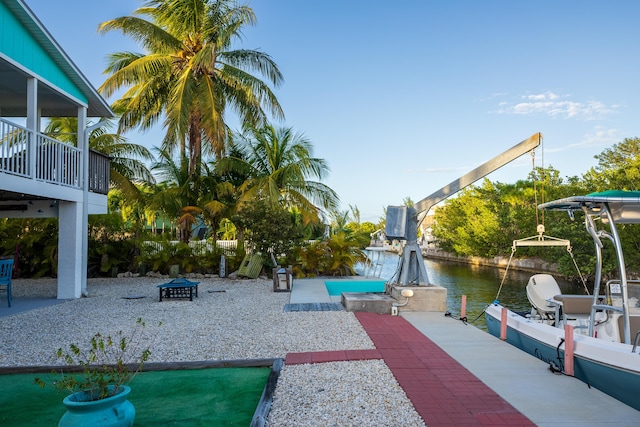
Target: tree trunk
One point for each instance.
(195, 146)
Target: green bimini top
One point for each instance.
(623, 205)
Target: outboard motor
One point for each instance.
(540, 289)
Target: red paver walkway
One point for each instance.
(442, 391)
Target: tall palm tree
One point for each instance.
(127, 158)
(281, 168)
(189, 74)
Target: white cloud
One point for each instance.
(556, 106)
(599, 136)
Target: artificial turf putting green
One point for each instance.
(194, 397)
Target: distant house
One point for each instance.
(40, 176)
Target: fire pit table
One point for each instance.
(178, 288)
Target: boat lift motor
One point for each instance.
(402, 224)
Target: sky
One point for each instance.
(403, 98)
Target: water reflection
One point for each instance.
(479, 283)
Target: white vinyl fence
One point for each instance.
(199, 247)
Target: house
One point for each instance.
(40, 176)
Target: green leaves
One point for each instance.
(335, 256)
(109, 362)
(189, 74)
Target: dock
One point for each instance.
(524, 381)
(483, 367)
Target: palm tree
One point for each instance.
(281, 168)
(189, 75)
(127, 158)
(178, 194)
(339, 220)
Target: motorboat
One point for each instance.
(596, 335)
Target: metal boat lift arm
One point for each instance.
(411, 269)
(481, 171)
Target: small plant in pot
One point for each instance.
(98, 376)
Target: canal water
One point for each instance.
(479, 283)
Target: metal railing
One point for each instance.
(99, 167)
(57, 162)
(49, 160)
(14, 149)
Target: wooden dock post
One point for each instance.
(568, 349)
(503, 324)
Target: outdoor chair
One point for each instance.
(6, 271)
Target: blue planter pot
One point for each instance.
(114, 411)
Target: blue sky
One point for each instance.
(403, 98)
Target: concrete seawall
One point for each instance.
(529, 264)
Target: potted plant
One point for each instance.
(99, 377)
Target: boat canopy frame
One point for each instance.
(611, 207)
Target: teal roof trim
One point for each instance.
(57, 68)
(20, 45)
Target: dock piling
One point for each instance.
(503, 324)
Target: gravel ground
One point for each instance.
(231, 319)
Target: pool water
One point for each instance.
(337, 287)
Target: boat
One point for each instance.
(603, 328)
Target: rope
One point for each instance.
(584, 282)
(504, 276)
(463, 319)
(543, 172)
(481, 313)
(535, 190)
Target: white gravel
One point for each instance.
(363, 393)
(231, 319)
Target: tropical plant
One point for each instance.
(161, 254)
(178, 194)
(339, 220)
(105, 366)
(270, 230)
(227, 230)
(280, 168)
(190, 74)
(344, 252)
(110, 245)
(221, 199)
(33, 242)
(335, 256)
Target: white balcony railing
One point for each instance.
(14, 149)
(57, 162)
(53, 161)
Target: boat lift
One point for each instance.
(403, 221)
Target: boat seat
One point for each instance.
(575, 304)
(540, 289)
(634, 326)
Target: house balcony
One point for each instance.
(34, 166)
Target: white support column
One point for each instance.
(71, 233)
(32, 122)
(83, 142)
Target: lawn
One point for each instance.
(225, 396)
